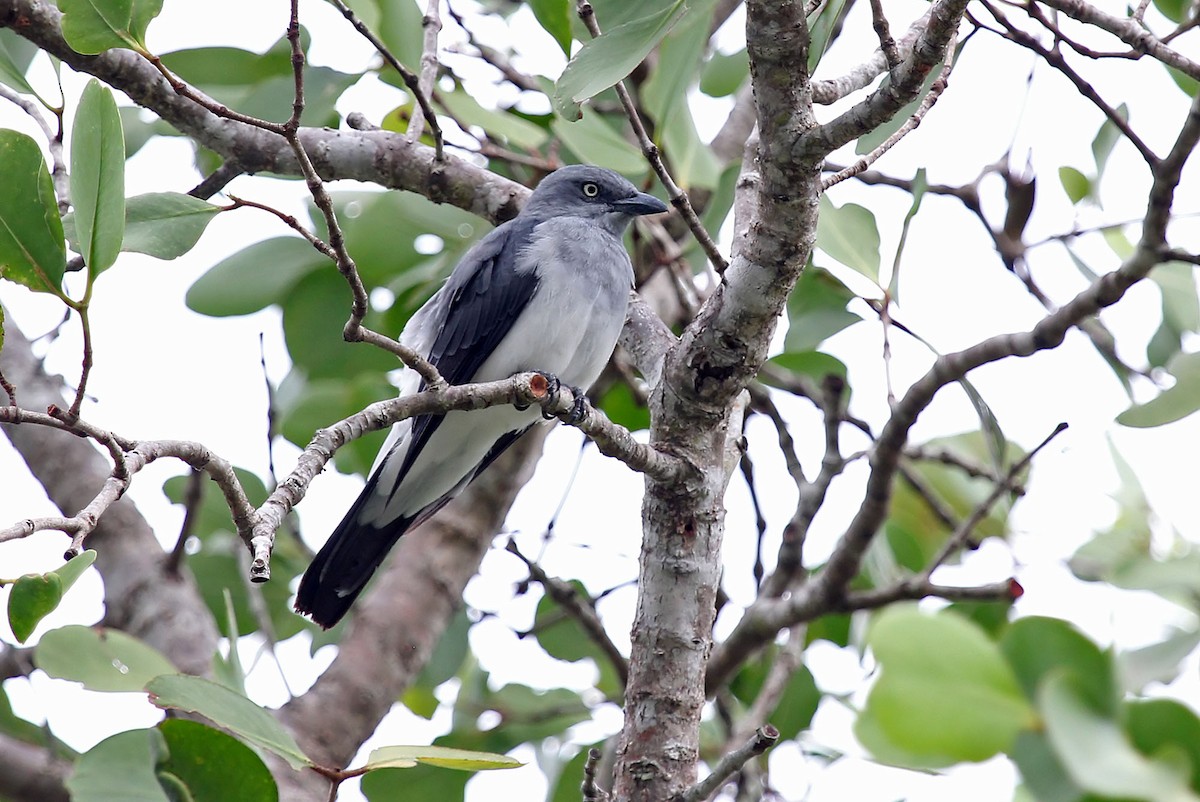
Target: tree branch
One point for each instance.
(763, 739)
(30, 773)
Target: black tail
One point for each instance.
(355, 550)
(345, 563)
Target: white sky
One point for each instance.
(953, 292)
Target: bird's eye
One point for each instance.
(591, 190)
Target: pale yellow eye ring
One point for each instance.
(591, 190)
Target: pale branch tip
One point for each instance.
(763, 739)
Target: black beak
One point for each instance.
(641, 203)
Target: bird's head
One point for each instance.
(594, 193)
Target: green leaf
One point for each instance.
(797, 705)
(1077, 185)
(421, 701)
(914, 532)
(817, 310)
(939, 668)
(165, 225)
(1174, 403)
(1174, 10)
(324, 400)
(1106, 138)
(254, 278)
(920, 184)
(447, 657)
(102, 659)
(230, 66)
(35, 596)
(418, 783)
(555, 18)
(31, 234)
(13, 62)
(517, 131)
(722, 75)
(1180, 311)
(401, 30)
(1158, 725)
(1098, 756)
(692, 159)
(98, 178)
(228, 670)
(403, 757)
(93, 26)
(611, 56)
(1158, 662)
(32, 598)
(73, 568)
(594, 142)
(314, 313)
(664, 93)
(228, 709)
(622, 408)
(213, 766)
(1038, 648)
(822, 31)
(120, 768)
(988, 424)
(848, 233)
(813, 364)
(530, 715)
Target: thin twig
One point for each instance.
(1055, 59)
(588, 789)
(967, 527)
(677, 196)
(9, 390)
(762, 740)
(58, 170)
(788, 659)
(789, 563)
(87, 360)
(935, 91)
(410, 80)
(431, 25)
(495, 58)
(581, 610)
(886, 43)
(192, 499)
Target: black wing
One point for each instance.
(486, 297)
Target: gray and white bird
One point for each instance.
(546, 291)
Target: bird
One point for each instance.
(546, 291)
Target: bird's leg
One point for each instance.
(578, 407)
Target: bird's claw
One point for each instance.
(578, 407)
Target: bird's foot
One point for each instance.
(578, 407)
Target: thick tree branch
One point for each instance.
(31, 773)
(381, 157)
(524, 388)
